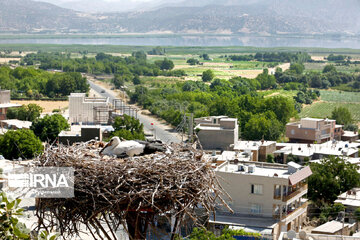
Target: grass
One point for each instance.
(324, 109)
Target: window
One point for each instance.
(277, 191)
(256, 189)
(292, 132)
(255, 208)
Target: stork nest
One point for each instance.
(109, 191)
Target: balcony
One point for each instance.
(293, 213)
(303, 187)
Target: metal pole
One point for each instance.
(191, 127)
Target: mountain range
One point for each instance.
(262, 17)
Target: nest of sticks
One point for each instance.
(128, 192)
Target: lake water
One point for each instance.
(199, 41)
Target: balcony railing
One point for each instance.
(290, 212)
(289, 196)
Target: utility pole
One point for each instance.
(343, 224)
(191, 127)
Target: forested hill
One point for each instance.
(256, 17)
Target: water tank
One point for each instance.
(251, 168)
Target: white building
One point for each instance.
(82, 108)
(267, 198)
(317, 151)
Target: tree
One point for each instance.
(297, 68)
(331, 177)
(192, 61)
(226, 234)
(270, 158)
(136, 80)
(342, 116)
(20, 143)
(205, 56)
(165, 64)
(28, 112)
(260, 127)
(49, 127)
(357, 214)
(10, 227)
(208, 75)
(329, 68)
(140, 55)
(128, 128)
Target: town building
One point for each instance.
(88, 110)
(259, 149)
(217, 132)
(311, 130)
(267, 198)
(335, 228)
(5, 103)
(350, 136)
(83, 133)
(351, 200)
(15, 124)
(307, 152)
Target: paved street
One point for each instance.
(161, 131)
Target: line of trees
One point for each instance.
(128, 67)
(35, 83)
(258, 117)
(273, 57)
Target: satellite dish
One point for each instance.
(302, 235)
(291, 234)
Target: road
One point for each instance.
(161, 131)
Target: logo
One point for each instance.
(44, 182)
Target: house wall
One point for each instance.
(216, 139)
(296, 134)
(87, 134)
(4, 96)
(239, 188)
(3, 113)
(265, 150)
(81, 110)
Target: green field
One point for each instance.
(324, 109)
(339, 96)
(339, 67)
(281, 92)
(169, 49)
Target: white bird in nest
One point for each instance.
(131, 148)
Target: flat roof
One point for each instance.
(312, 119)
(9, 105)
(251, 145)
(330, 227)
(265, 171)
(17, 123)
(337, 148)
(350, 134)
(243, 220)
